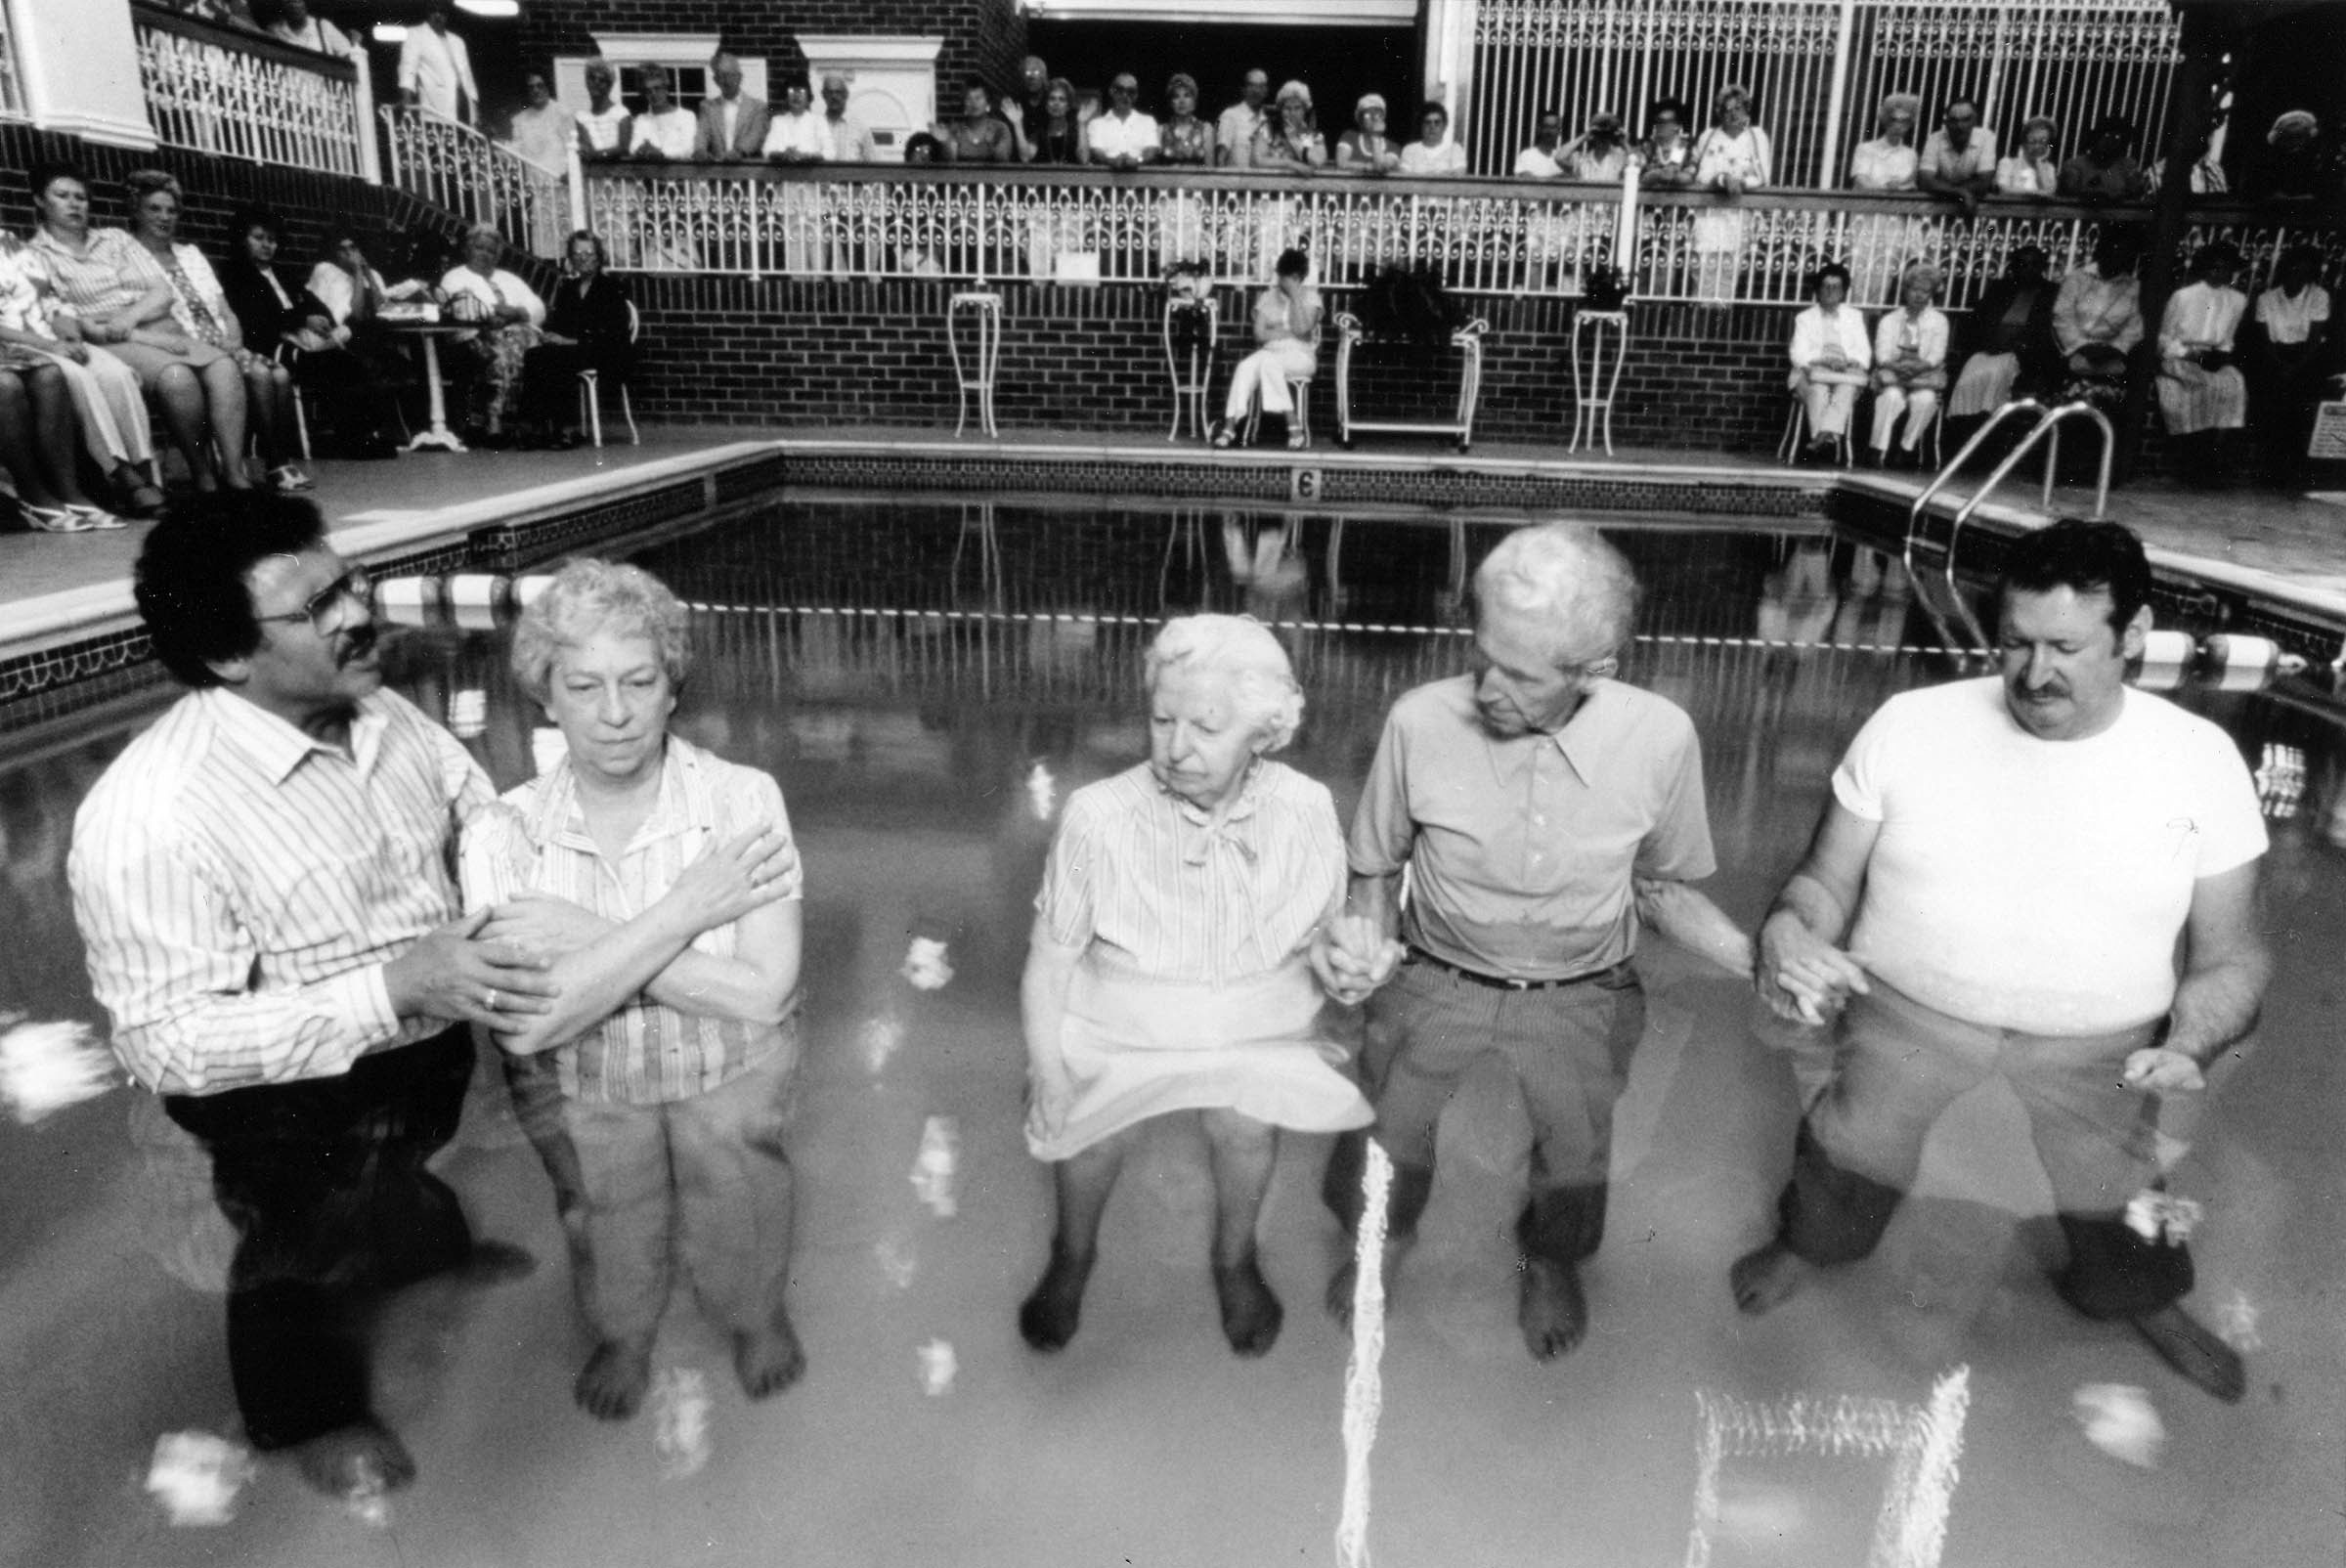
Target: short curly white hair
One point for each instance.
(1564, 576)
(590, 595)
(1243, 651)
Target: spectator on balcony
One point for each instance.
(1124, 138)
(1910, 365)
(979, 136)
(666, 129)
(2008, 342)
(850, 139)
(507, 313)
(200, 308)
(603, 125)
(1235, 132)
(1185, 139)
(1598, 154)
(296, 26)
(1889, 162)
(1830, 355)
(1734, 156)
(1287, 327)
(37, 421)
(284, 320)
(1959, 160)
(2031, 171)
(2293, 167)
(1057, 135)
(1023, 109)
(1667, 156)
(543, 130)
(798, 134)
(2201, 393)
(435, 70)
(1882, 242)
(1433, 154)
(2287, 358)
(1366, 148)
(2098, 320)
(1290, 139)
(111, 295)
(732, 124)
(590, 325)
(2106, 171)
(1538, 161)
(108, 406)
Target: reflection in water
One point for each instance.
(908, 745)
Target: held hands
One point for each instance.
(2162, 1070)
(734, 876)
(1799, 976)
(1352, 956)
(452, 972)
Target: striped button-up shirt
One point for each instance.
(536, 841)
(1150, 886)
(240, 886)
(115, 271)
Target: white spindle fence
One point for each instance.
(453, 166)
(1817, 69)
(12, 86)
(241, 94)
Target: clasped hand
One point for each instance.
(456, 972)
(1352, 956)
(1799, 976)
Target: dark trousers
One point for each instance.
(324, 1182)
(550, 378)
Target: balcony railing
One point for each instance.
(1485, 236)
(12, 83)
(453, 166)
(244, 95)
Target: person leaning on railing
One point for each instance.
(798, 134)
(1433, 154)
(1234, 131)
(978, 137)
(590, 325)
(1598, 154)
(284, 320)
(1666, 159)
(1733, 156)
(1291, 138)
(732, 125)
(666, 129)
(1057, 135)
(542, 130)
(1880, 241)
(1538, 161)
(1366, 148)
(2031, 171)
(1184, 139)
(1959, 160)
(604, 136)
(1124, 138)
(850, 139)
(2106, 171)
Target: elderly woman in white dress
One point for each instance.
(508, 314)
(1170, 968)
(1734, 156)
(1831, 356)
(1881, 243)
(1910, 365)
(2202, 394)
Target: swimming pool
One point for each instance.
(924, 679)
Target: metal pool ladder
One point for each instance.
(2045, 430)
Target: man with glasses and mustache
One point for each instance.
(1997, 890)
(1543, 812)
(263, 882)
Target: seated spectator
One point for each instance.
(2106, 171)
(590, 326)
(2098, 320)
(1888, 163)
(1290, 139)
(603, 135)
(2202, 394)
(732, 125)
(666, 129)
(296, 26)
(1287, 327)
(507, 313)
(1433, 152)
(1831, 354)
(850, 139)
(2292, 166)
(1235, 132)
(284, 320)
(1366, 148)
(979, 136)
(1124, 138)
(1538, 161)
(2009, 348)
(1666, 158)
(1599, 154)
(1057, 135)
(542, 130)
(38, 430)
(2285, 357)
(1185, 139)
(109, 410)
(797, 134)
(1910, 365)
(2030, 170)
(1959, 160)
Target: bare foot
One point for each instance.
(2188, 1346)
(768, 1359)
(1251, 1313)
(1049, 1316)
(1550, 1309)
(362, 1457)
(611, 1385)
(1765, 1278)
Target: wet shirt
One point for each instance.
(1521, 851)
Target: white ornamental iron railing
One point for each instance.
(1533, 238)
(12, 85)
(1817, 69)
(455, 167)
(243, 95)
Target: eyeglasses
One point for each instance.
(323, 609)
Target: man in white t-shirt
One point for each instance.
(2013, 859)
(1124, 138)
(1538, 161)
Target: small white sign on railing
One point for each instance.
(2329, 440)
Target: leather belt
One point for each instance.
(1500, 982)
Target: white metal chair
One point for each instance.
(590, 394)
(1796, 435)
(1299, 421)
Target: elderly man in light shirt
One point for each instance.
(1959, 160)
(666, 129)
(435, 70)
(732, 124)
(850, 139)
(1124, 138)
(1234, 132)
(263, 882)
(1538, 161)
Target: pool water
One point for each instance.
(927, 682)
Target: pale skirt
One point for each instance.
(2192, 399)
(110, 408)
(1984, 386)
(1137, 1048)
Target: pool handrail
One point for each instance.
(2047, 427)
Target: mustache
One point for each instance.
(363, 639)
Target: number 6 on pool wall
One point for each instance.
(1303, 484)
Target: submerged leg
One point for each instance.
(1050, 1314)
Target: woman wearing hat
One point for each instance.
(1366, 148)
(1291, 138)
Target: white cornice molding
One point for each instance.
(848, 50)
(1267, 13)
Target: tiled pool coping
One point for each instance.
(69, 651)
